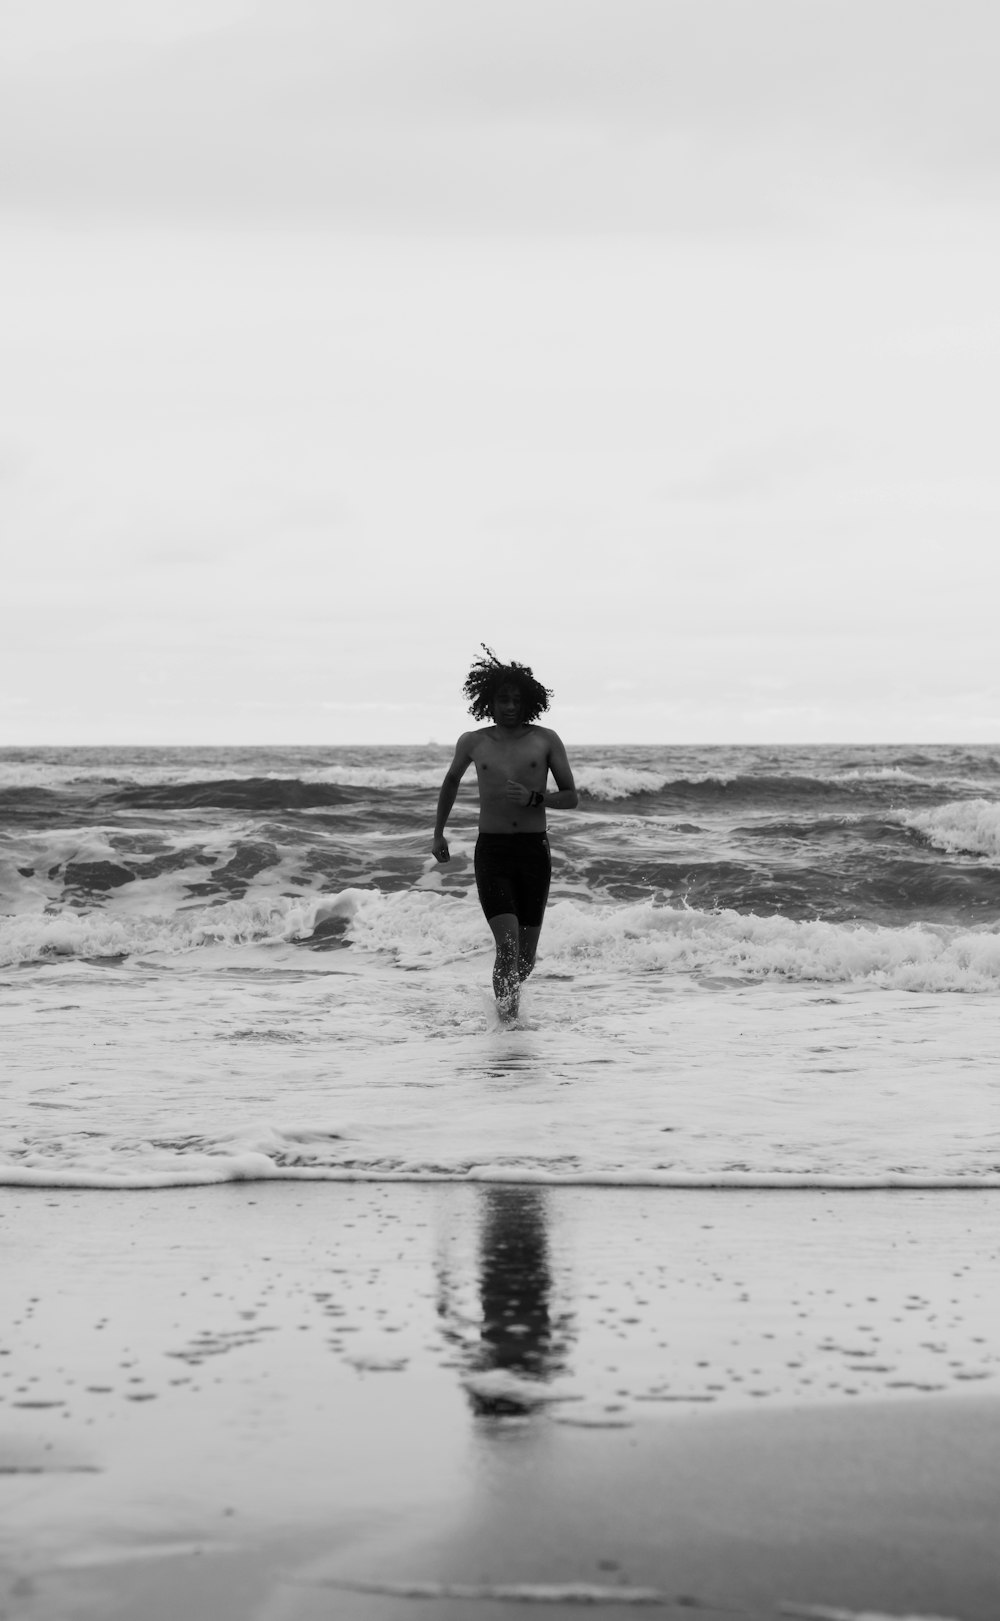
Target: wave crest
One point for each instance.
(969, 827)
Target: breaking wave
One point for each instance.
(421, 928)
(970, 826)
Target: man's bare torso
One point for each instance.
(499, 759)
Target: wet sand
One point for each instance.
(377, 1401)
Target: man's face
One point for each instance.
(507, 706)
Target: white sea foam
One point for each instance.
(666, 939)
(42, 774)
(53, 850)
(878, 773)
(575, 1594)
(422, 927)
(969, 826)
(622, 782)
(426, 779)
(898, 774)
(32, 774)
(644, 938)
(599, 782)
(65, 844)
(259, 921)
(596, 781)
(824, 1612)
(618, 782)
(501, 1384)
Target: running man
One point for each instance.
(513, 759)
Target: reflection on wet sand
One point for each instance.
(521, 1335)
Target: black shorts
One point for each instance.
(512, 875)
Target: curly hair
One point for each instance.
(488, 675)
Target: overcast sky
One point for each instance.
(654, 342)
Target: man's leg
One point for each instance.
(527, 945)
(531, 891)
(506, 982)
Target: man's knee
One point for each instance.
(505, 933)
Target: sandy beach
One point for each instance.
(368, 1400)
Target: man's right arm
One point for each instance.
(446, 798)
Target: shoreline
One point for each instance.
(253, 1169)
(377, 1400)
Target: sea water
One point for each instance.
(759, 966)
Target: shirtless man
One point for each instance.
(513, 759)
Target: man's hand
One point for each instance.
(439, 848)
(517, 792)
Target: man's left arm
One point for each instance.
(565, 796)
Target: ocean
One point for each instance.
(771, 967)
